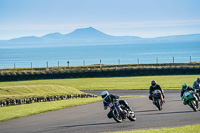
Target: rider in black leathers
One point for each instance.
(154, 86)
(196, 84)
(108, 98)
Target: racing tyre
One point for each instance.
(116, 116)
(193, 105)
(158, 104)
(132, 116)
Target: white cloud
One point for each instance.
(102, 25)
(151, 24)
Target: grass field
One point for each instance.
(112, 83)
(30, 91)
(185, 129)
(56, 86)
(52, 87)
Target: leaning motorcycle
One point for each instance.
(190, 99)
(157, 99)
(198, 89)
(120, 113)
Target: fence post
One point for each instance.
(31, 65)
(100, 64)
(157, 60)
(58, 63)
(190, 59)
(173, 59)
(83, 62)
(138, 60)
(68, 63)
(47, 64)
(118, 61)
(14, 66)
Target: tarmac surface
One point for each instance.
(92, 118)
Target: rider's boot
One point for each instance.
(129, 108)
(163, 100)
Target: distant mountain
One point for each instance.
(91, 36)
(53, 36)
(87, 33)
(25, 39)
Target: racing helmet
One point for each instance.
(184, 85)
(153, 83)
(198, 80)
(104, 94)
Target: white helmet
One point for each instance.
(104, 94)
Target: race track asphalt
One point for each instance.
(92, 118)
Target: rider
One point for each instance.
(108, 98)
(196, 83)
(185, 87)
(154, 86)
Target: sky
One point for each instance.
(143, 18)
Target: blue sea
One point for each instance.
(108, 54)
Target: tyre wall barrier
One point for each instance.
(9, 102)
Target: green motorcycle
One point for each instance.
(190, 99)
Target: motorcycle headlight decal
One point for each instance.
(187, 93)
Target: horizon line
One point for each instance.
(100, 31)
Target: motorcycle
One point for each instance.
(120, 113)
(198, 89)
(157, 99)
(191, 100)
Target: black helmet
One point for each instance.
(153, 83)
(198, 80)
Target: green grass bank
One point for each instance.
(185, 129)
(111, 83)
(31, 91)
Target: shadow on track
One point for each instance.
(83, 125)
(145, 111)
(180, 112)
(74, 126)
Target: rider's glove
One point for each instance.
(117, 97)
(182, 98)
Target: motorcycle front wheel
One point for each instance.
(158, 103)
(116, 116)
(132, 116)
(192, 104)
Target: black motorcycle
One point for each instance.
(157, 99)
(198, 89)
(120, 113)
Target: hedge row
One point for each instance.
(102, 73)
(9, 102)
